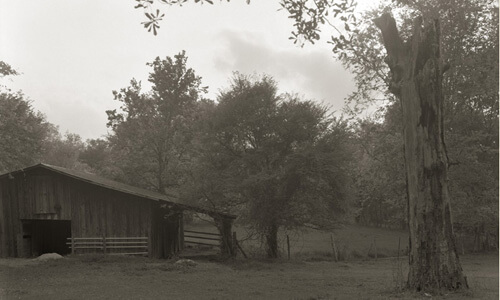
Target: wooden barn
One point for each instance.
(45, 208)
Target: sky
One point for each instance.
(73, 54)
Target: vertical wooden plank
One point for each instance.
(40, 195)
(181, 232)
(156, 245)
(81, 213)
(51, 201)
(36, 189)
(68, 196)
(3, 216)
(19, 193)
(8, 219)
(28, 194)
(90, 210)
(75, 219)
(102, 214)
(109, 218)
(127, 207)
(151, 239)
(16, 222)
(65, 199)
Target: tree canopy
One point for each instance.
(152, 130)
(282, 161)
(27, 137)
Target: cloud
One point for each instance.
(312, 73)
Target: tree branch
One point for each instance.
(392, 41)
(395, 49)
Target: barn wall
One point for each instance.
(94, 211)
(44, 195)
(10, 225)
(98, 212)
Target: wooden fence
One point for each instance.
(109, 245)
(202, 238)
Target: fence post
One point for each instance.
(462, 236)
(233, 245)
(288, 245)
(104, 244)
(334, 248)
(72, 245)
(399, 247)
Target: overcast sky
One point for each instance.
(73, 54)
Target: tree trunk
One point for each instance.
(225, 229)
(416, 71)
(272, 241)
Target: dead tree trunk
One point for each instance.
(416, 70)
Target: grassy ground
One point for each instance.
(351, 241)
(310, 274)
(112, 277)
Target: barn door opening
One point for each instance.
(50, 236)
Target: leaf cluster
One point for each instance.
(155, 16)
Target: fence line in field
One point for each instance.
(202, 238)
(109, 245)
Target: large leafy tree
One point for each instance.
(23, 130)
(27, 138)
(151, 132)
(280, 161)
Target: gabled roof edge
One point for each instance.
(142, 195)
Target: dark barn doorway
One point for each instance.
(48, 236)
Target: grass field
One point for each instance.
(351, 241)
(112, 277)
(311, 273)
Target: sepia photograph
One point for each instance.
(249, 149)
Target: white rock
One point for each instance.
(186, 262)
(48, 256)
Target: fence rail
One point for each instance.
(110, 245)
(202, 238)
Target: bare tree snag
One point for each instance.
(416, 79)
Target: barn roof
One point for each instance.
(122, 187)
